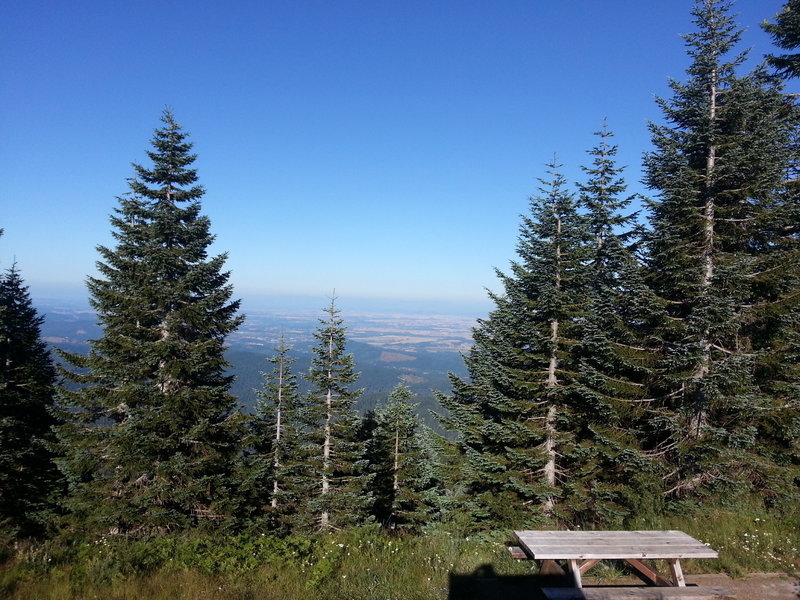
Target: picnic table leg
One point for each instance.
(576, 572)
(649, 574)
(677, 572)
(588, 564)
(551, 567)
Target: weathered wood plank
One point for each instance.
(586, 565)
(639, 593)
(676, 571)
(606, 555)
(610, 536)
(616, 544)
(658, 533)
(551, 567)
(612, 545)
(649, 574)
(620, 553)
(517, 552)
(575, 571)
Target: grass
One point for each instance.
(747, 543)
(354, 565)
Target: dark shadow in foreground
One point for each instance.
(484, 584)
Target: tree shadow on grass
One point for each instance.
(484, 584)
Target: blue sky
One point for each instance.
(381, 148)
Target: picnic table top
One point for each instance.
(563, 545)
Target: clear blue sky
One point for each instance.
(384, 148)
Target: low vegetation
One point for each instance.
(359, 563)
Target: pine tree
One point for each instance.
(512, 415)
(336, 458)
(785, 32)
(152, 430)
(718, 258)
(778, 276)
(398, 460)
(29, 480)
(276, 435)
(612, 477)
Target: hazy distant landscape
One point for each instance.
(418, 350)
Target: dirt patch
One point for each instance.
(756, 586)
(485, 584)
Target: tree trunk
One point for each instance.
(552, 381)
(699, 407)
(396, 486)
(326, 445)
(276, 463)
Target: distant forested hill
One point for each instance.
(380, 369)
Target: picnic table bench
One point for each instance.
(581, 550)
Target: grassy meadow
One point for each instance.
(357, 564)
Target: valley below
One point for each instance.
(418, 350)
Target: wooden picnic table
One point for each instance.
(581, 550)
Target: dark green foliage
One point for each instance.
(337, 481)
(785, 32)
(513, 416)
(723, 256)
(400, 461)
(29, 480)
(609, 477)
(274, 461)
(152, 429)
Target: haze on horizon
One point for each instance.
(76, 297)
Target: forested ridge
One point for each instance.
(626, 372)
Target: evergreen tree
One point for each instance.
(152, 430)
(721, 258)
(612, 477)
(336, 458)
(785, 32)
(513, 416)
(29, 480)
(439, 501)
(276, 435)
(398, 462)
(779, 269)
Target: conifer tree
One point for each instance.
(152, 430)
(336, 459)
(29, 480)
(612, 476)
(778, 272)
(785, 32)
(276, 436)
(718, 257)
(398, 460)
(513, 416)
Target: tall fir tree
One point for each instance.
(338, 494)
(785, 33)
(720, 257)
(398, 459)
(612, 476)
(779, 269)
(276, 434)
(29, 480)
(512, 416)
(151, 429)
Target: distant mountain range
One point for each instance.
(418, 350)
